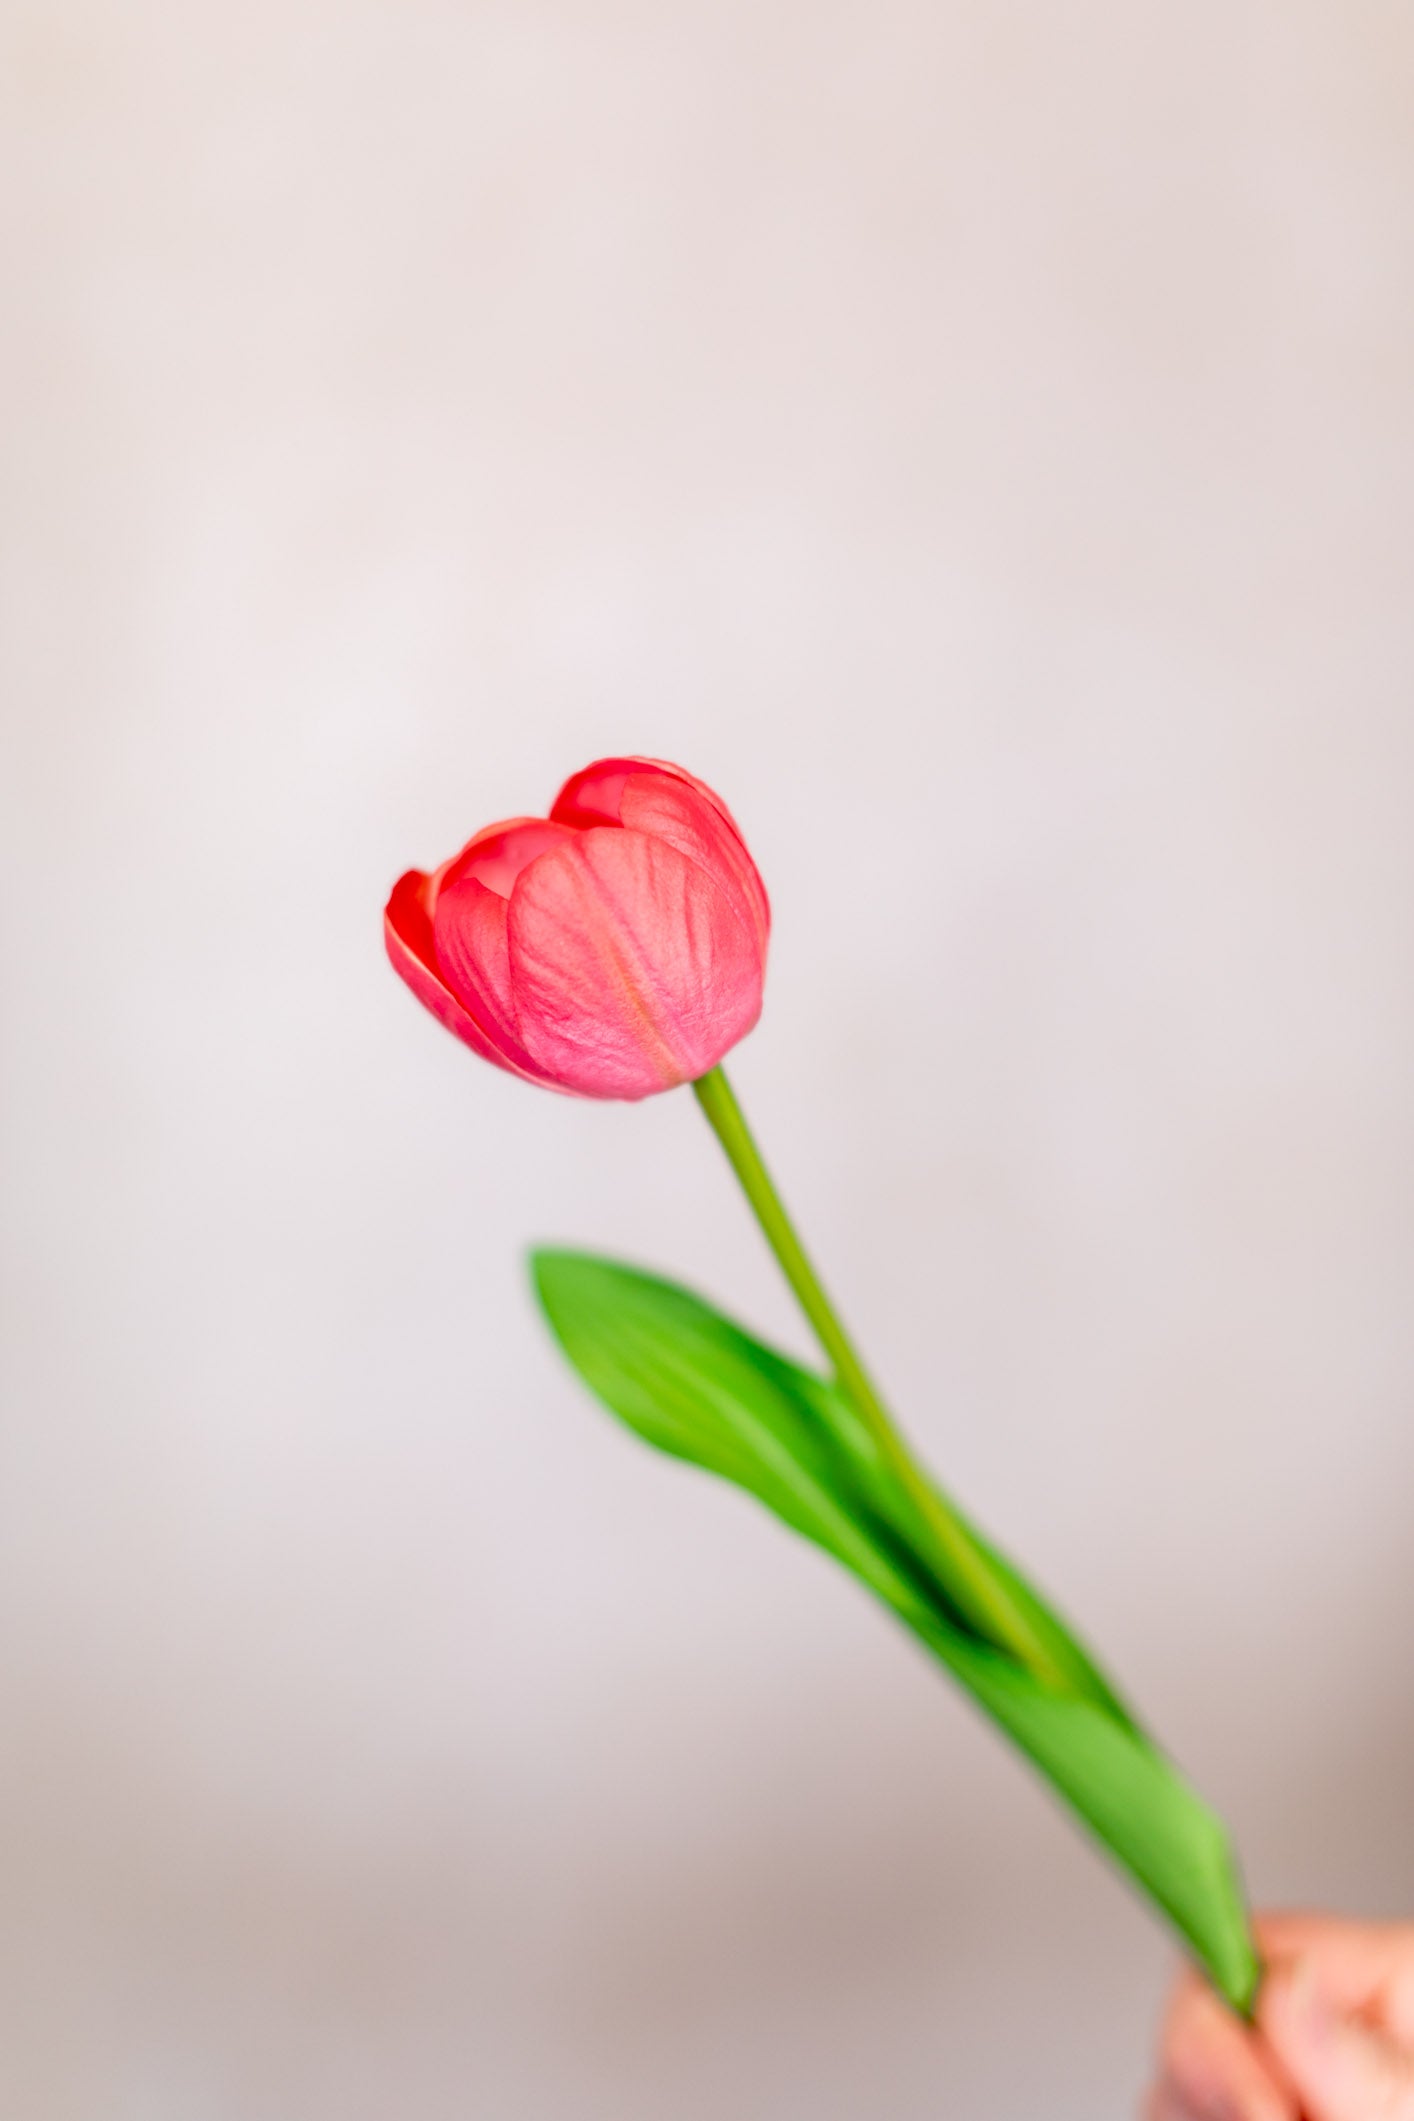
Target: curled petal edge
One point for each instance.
(566, 808)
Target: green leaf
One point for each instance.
(696, 1385)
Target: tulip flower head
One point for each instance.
(615, 948)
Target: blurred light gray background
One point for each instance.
(980, 440)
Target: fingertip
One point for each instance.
(1212, 2065)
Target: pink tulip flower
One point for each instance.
(615, 948)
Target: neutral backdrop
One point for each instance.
(979, 439)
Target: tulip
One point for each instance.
(613, 949)
(618, 947)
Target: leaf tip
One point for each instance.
(545, 1264)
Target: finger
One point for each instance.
(1212, 2061)
(1365, 1968)
(1343, 2068)
(1164, 2103)
(1169, 2102)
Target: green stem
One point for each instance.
(972, 1582)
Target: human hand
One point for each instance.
(1334, 2033)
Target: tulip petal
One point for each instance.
(652, 795)
(689, 818)
(469, 935)
(630, 967)
(407, 932)
(498, 854)
(593, 796)
(410, 941)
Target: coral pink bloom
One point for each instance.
(615, 948)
